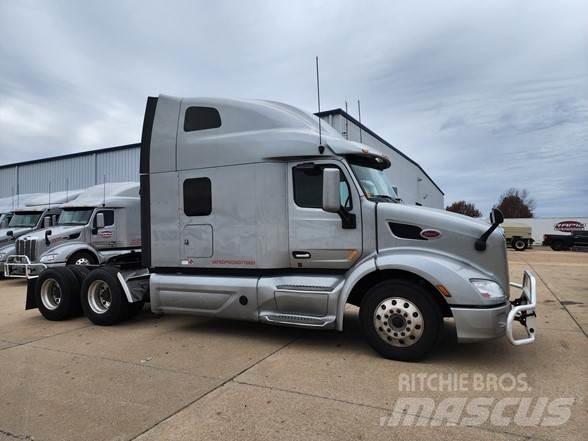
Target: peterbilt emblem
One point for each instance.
(569, 226)
(430, 234)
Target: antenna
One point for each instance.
(346, 121)
(12, 191)
(318, 97)
(49, 194)
(104, 192)
(66, 189)
(360, 130)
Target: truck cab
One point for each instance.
(36, 213)
(250, 210)
(101, 223)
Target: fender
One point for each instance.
(435, 268)
(65, 250)
(355, 274)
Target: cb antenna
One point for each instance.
(49, 194)
(360, 129)
(346, 121)
(318, 98)
(104, 191)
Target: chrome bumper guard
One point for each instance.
(523, 310)
(19, 266)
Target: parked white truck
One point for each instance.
(100, 224)
(38, 211)
(249, 213)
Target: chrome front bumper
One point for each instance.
(19, 266)
(475, 324)
(523, 310)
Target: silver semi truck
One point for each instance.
(251, 212)
(38, 211)
(100, 224)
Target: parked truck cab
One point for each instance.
(249, 211)
(38, 211)
(101, 223)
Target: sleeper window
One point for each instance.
(197, 197)
(308, 188)
(201, 118)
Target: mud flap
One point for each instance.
(30, 301)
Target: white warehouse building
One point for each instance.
(121, 163)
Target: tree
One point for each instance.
(515, 203)
(463, 207)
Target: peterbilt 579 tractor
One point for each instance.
(38, 211)
(101, 224)
(250, 212)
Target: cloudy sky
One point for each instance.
(484, 95)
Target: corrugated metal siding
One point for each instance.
(59, 175)
(118, 166)
(7, 181)
(76, 172)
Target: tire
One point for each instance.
(82, 258)
(519, 244)
(103, 299)
(557, 245)
(80, 273)
(418, 320)
(57, 294)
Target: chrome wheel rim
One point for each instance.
(50, 294)
(99, 297)
(399, 322)
(82, 261)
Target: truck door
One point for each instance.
(317, 238)
(104, 237)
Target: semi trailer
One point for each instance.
(518, 236)
(38, 211)
(101, 224)
(252, 211)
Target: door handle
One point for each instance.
(301, 254)
(186, 242)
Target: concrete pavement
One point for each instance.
(183, 378)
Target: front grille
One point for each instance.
(27, 248)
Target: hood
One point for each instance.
(457, 236)
(16, 232)
(59, 233)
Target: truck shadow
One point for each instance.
(349, 341)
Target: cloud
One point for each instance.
(483, 96)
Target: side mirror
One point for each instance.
(100, 220)
(46, 221)
(331, 190)
(496, 217)
(10, 233)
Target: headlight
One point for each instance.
(48, 258)
(2, 256)
(488, 289)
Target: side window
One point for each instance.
(308, 188)
(197, 197)
(108, 217)
(201, 118)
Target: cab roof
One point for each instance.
(112, 194)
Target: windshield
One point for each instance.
(374, 183)
(79, 216)
(25, 219)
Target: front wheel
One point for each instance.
(519, 244)
(400, 320)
